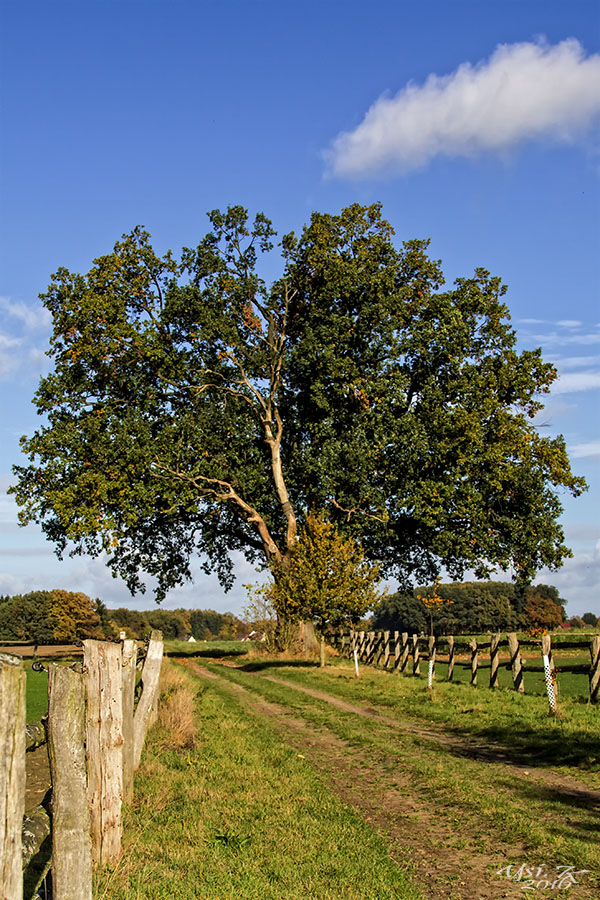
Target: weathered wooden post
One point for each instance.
(322, 652)
(474, 661)
(595, 669)
(415, 654)
(128, 665)
(371, 647)
(71, 824)
(431, 666)
(494, 660)
(515, 661)
(104, 741)
(12, 775)
(343, 641)
(386, 649)
(361, 651)
(405, 652)
(450, 657)
(145, 710)
(397, 649)
(548, 675)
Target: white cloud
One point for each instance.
(553, 339)
(9, 355)
(570, 382)
(523, 92)
(577, 581)
(33, 318)
(569, 323)
(587, 450)
(576, 362)
(21, 352)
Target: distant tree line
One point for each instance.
(49, 617)
(475, 607)
(179, 624)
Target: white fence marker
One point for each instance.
(546, 651)
(430, 676)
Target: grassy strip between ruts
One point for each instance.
(242, 815)
(505, 806)
(569, 742)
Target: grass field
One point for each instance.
(214, 649)
(244, 815)
(36, 694)
(393, 792)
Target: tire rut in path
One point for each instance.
(445, 868)
(568, 788)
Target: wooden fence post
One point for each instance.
(494, 659)
(379, 646)
(361, 646)
(515, 662)
(12, 775)
(595, 669)
(104, 741)
(405, 652)
(71, 826)
(474, 661)
(128, 664)
(397, 649)
(386, 649)
(145, 711)
(370, 648)
(431, 662)
(415, 654)
(450, 657)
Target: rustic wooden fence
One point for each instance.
(405, 652)
(95, 735)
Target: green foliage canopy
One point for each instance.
(473, 607)
(195, 410)
(48, 617)
(328, 580)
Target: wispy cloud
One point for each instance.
(569, 382)
(569, 323)
(588, 450)
(576, 362)
(9, 355)
(33, 317)
(524, 91)
(577, 580)
(21, 339)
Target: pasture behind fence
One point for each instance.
(403, 652)
(95, 739)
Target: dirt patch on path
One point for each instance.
(491, 752)
(448, 864)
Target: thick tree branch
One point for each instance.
(223, 490)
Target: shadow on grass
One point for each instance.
(206, 652)
(529, 751)
(580, 808)
(543, 748)
(258, 665)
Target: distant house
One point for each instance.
(254, 636)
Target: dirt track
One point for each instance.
(451, 862)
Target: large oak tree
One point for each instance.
(195, 410)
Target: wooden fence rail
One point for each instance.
(95, 740)
(394, 650)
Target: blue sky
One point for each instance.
(475, 123)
